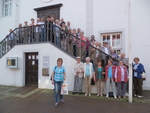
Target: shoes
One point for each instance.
(97, 94)
(86, 94)
(124, 97)
(107, 96)
(56, 104)
(80, 93)
(62, 101)
(140, 96)
(135, 95)
(115, 97)
(119, 96)
(101, 95)
(73, 93)
(89, 94)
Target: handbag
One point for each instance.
(92, 81)
(143, 76)
(64, 89)
(51, 75)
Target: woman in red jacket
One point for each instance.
(121, 77)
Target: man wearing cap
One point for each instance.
(78, 74)
(105, 49)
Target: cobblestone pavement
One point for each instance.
(29, 99)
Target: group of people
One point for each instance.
(110, 73)
(96, 57)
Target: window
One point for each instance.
(113, 40)
(7, 7)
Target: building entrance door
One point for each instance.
(31, 69)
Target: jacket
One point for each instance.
(96, 73)
(118, 74)
(78, 68)
(91, 66)
(113, 72)
(140, 69)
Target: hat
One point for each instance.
(78, 57)
(105, 41)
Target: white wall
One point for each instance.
(140, 15)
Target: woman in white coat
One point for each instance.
(88, 74)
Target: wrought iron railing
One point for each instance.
(60, 37)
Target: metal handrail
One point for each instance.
(31, 32)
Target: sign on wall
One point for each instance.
(45, 61)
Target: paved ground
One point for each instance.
(33, 100)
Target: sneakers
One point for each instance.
(119, 96)
(115, 97)
(135, 95)
(107, 96)
(97, 94)
(101, 95)
(62, 101)
(140, 96)
(56, 104)
(87, 94)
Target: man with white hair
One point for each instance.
(78, 74)
(125, 60)
(68, 25)
(88, 75)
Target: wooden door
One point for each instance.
(52, 11)
(31, 75)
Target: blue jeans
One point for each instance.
(57, 39)
(43, 36)
(57, 86)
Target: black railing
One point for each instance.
(60, 37)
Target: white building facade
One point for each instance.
(106, 19)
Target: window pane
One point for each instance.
(108, 39)
(118, 41)
(104, 38)
(113, 40)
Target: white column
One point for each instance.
(130, 51)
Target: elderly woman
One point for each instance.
(110, 75)
(121, 77)
(58, 76)
(138, 69)
(99, 77)
(88, 74)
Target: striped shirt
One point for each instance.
(59, 73)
